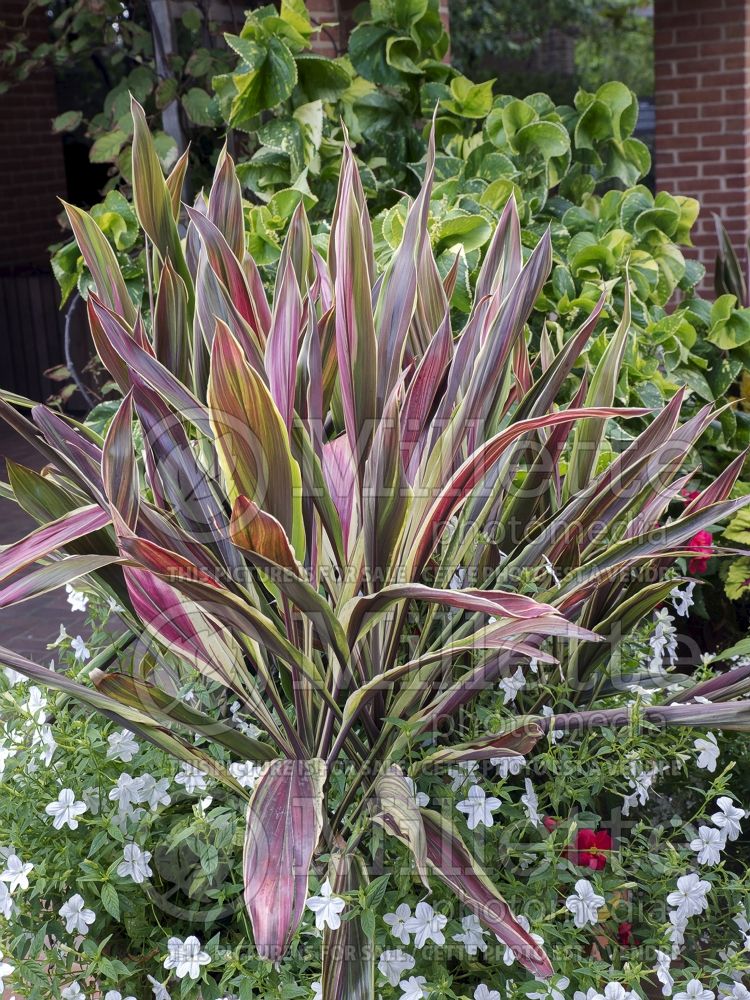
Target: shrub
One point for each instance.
(308, 471)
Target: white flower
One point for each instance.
(185, 957)
(392, 964)
(5, 970)
(191, 779)
(676, 932)
(158, 989)
(47, 740)
(76, 916)
(35, 705)
(135, 864)
(531, 802)
(79, 648)
(510, 686)
(426, 925)
(16, 873)
(663, 639)
(483, 992)
(397, 922)
(708, 845)
(734, 990)
(511, 764)
(113, 606)
(615, 991)
(154, 793)
(663, 962)
(326, 907)
(419, 797)
(551, 989)
(478, 807)
(6, 901)
(73, 992)
(509, 956)
(127, 791)
(588, 995)
(472, 935)
(584, 904)
(728, 818)
(708, 752)
(246, 773)
(682, 600)
(122, 746)
(116, 995)
(76, 598)
(690, 895)
(317, 989)
(412, 988)
(463, 773)
(695, 991)
(65, 809)
(13, 677)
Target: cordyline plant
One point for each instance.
(310, 471)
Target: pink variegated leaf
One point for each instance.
(50, 537)
(341, 476)
(225, 204)
(283, 343)
(119, 469)
(284, 823)
(46, 578)
(422, 394)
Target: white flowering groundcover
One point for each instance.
(119, 872)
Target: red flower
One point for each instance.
(702, 543)
(624, 934)
(591, 849)
(550, 823)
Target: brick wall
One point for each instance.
(332, 41)
(32, 173)
(702, 62)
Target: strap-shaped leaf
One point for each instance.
(46, 578)
(284, 822)
(50, 537)
(519, 737)
(225, 204)
(395, 808)
(101, 261)
(349, 951)
(251, 438)
(453, 864)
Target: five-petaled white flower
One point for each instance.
(728, 818)
(472, 935)
(682, 600)
(135, 864)
(16, 873)
(35, 705)
(510, 686)
(154, 792)
(663, 962)
(708, 845)
(694, 991)
(185, 957)
(412, 988)
(76, 915)
(127, 790)
(393, 964)
(191, 779)
(531, 803)
(708, 752)
(245, 773)
(79, 648)
(73, 992)
(397, 922)
(76, 598)
(116, 995)
(426, 925)
(65, 809)
(122, 746)
(483, 992)
(478, 807)
(584, 903)
(690, 895)
(6, 901)
(326, 907)
(5, 970)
